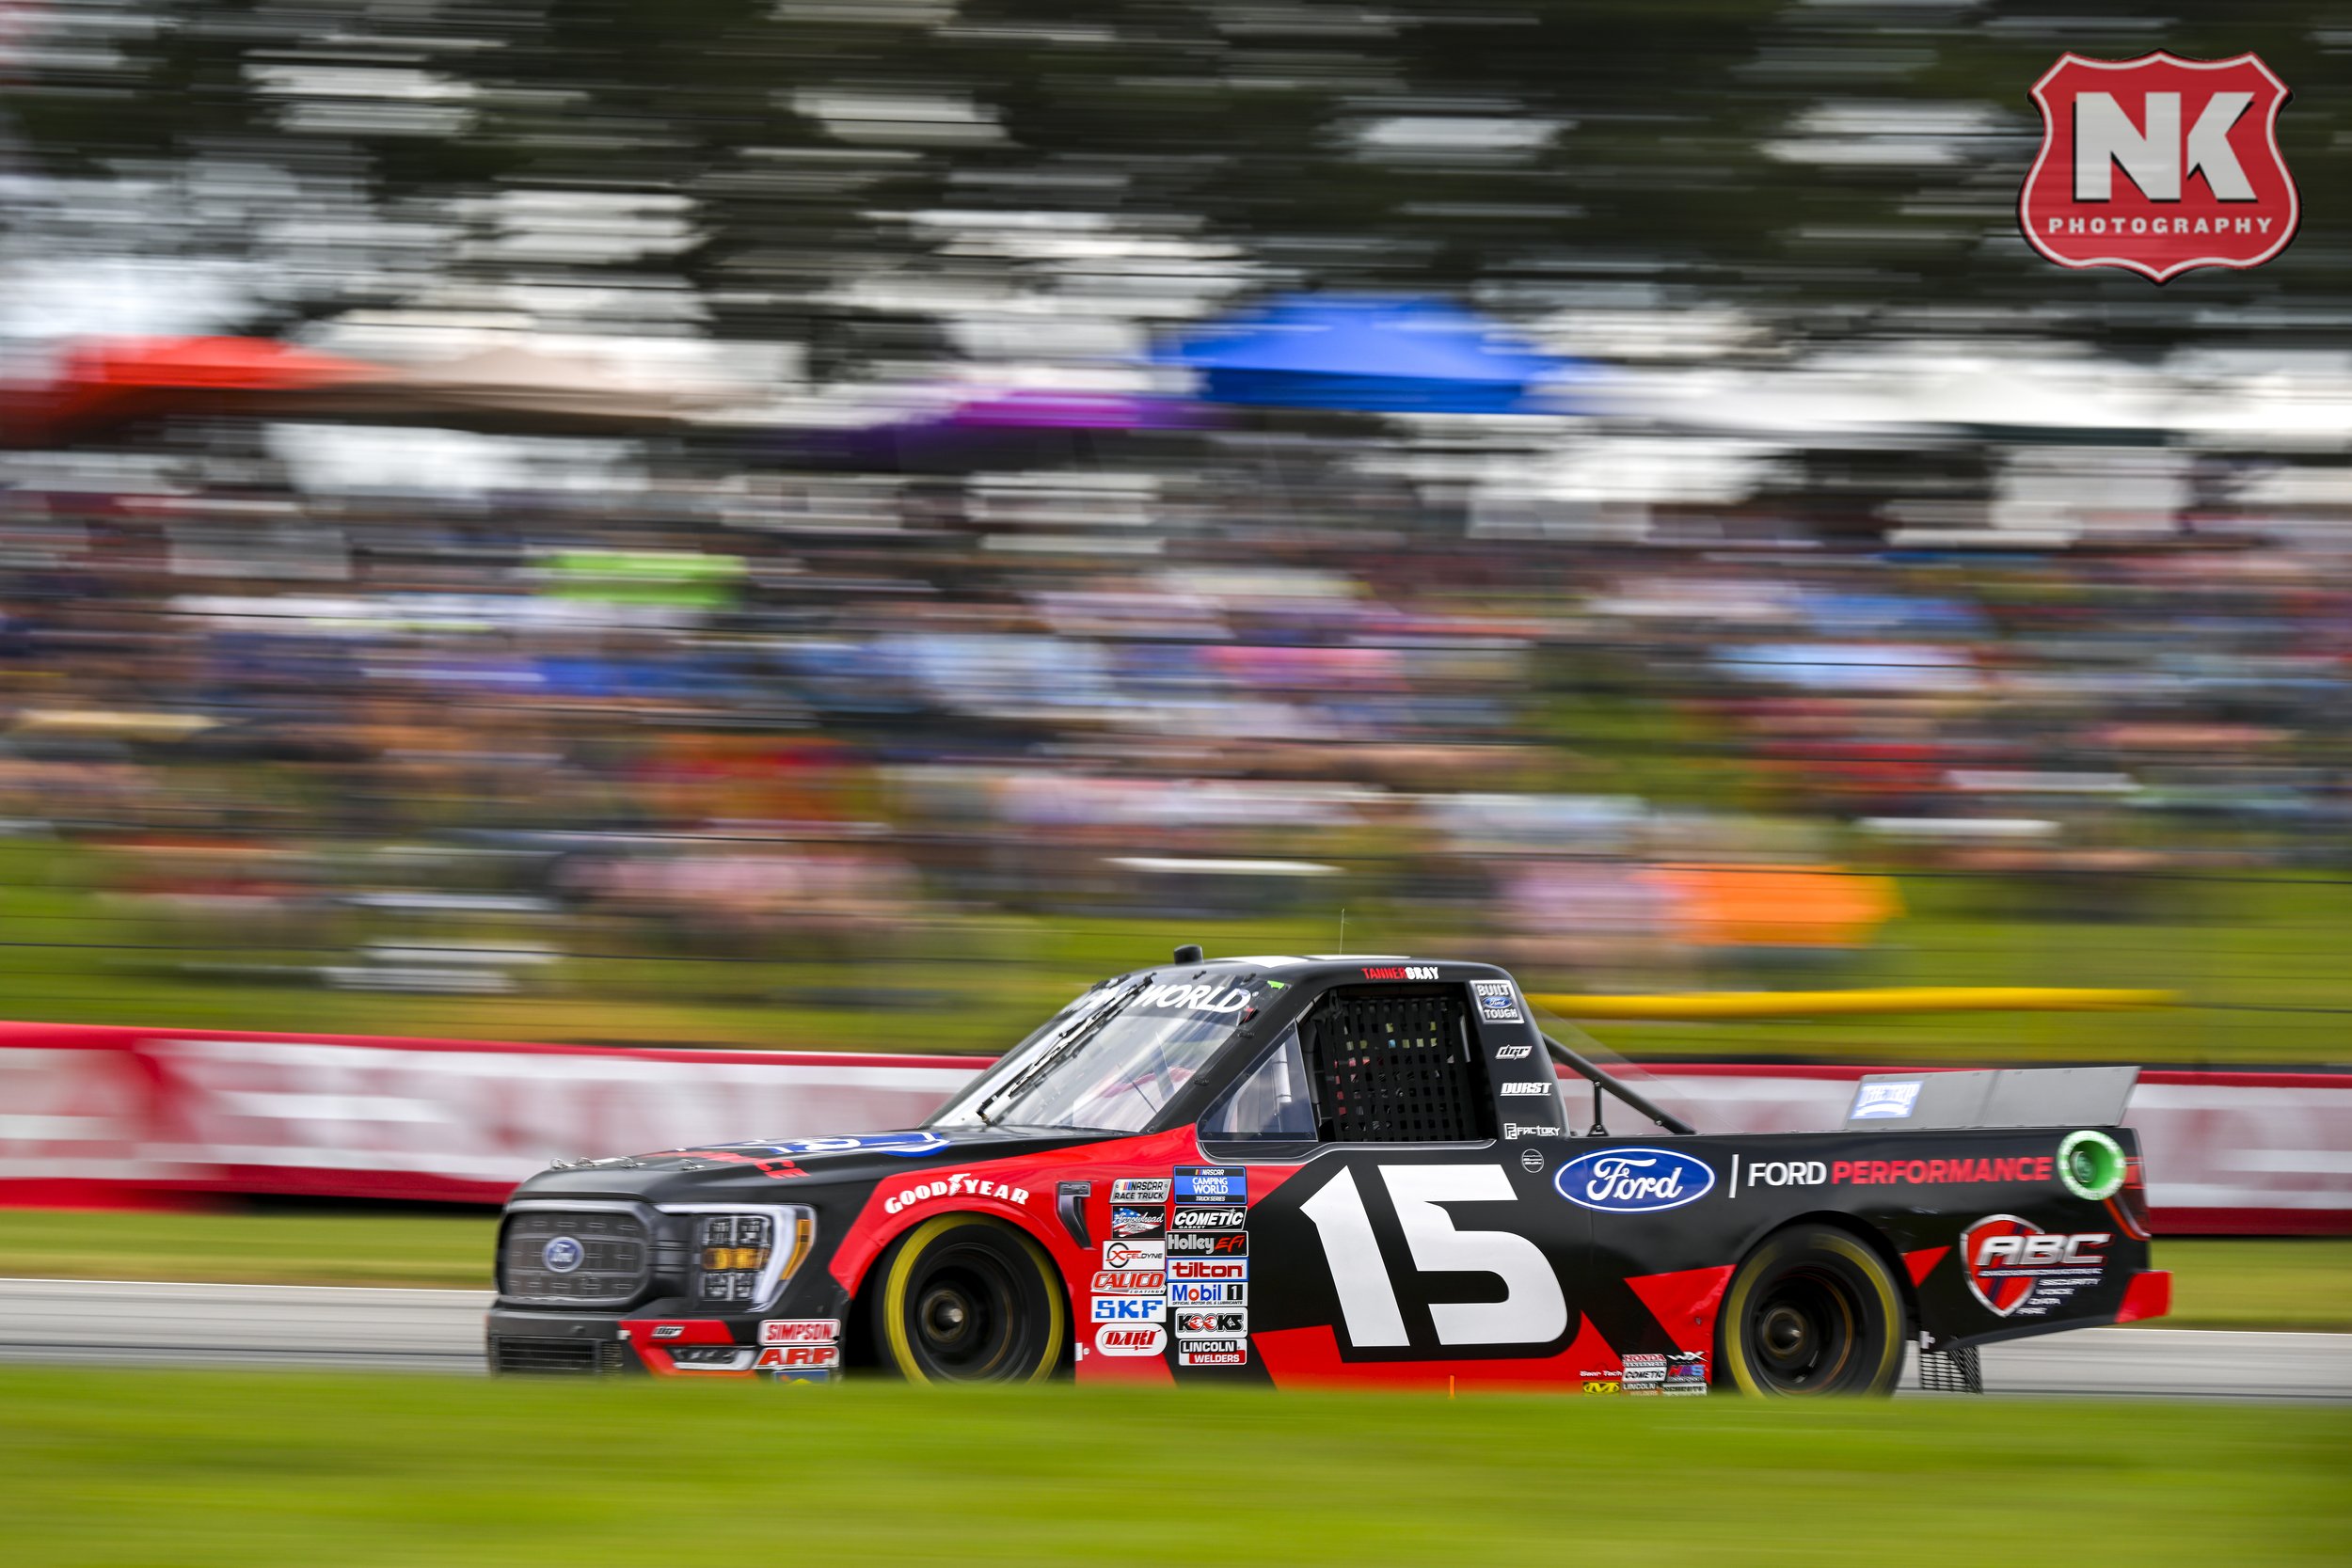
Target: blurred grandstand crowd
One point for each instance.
(658, 592)
(808, 717)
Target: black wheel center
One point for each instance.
(1786, 1332)
(945, 1315)
(1804, 1331)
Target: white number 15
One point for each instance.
(1532, 1309)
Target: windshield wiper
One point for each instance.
(1061, 1048)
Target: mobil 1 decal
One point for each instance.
(1408, 1258)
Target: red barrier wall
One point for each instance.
(99, 1115)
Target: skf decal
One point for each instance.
(1129, 1309)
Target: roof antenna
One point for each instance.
(1342, 927)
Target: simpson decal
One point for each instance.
(798, 1331)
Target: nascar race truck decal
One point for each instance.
(1372, 1170)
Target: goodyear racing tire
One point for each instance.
(1813, 1311)
(968, 1299)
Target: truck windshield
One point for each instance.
(1134, 1057)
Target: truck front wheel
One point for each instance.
(968, 1299)
(1813, 1311)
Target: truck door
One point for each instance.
(1397, 1233)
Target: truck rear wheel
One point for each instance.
(968, 1299)
(1813, 1311)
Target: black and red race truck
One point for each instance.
(1372, 1170)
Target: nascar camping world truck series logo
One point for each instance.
(2159, 164)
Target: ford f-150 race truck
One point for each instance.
(1375, 1170)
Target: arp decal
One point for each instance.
(2019, 1269)
(1133, 1254)
(1141, 1340)
(1634, 1180)
(791, 1357)
(1129, 1309)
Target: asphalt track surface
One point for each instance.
(85, 1322)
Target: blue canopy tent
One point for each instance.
(1369, 353)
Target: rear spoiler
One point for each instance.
(2009, 1097)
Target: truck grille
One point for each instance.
(512, 1354)
(608, 1253)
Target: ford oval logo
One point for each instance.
(1634, 1180)
(562, 1255)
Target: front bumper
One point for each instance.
(788, 1350)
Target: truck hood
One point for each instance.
(780, 1168)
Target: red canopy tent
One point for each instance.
(108, 381)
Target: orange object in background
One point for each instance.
(1776, 906)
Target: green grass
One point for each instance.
(2217, 1284)
(2259, 1284)
(196, 1469)
(321, 1248)
(2258, 959)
